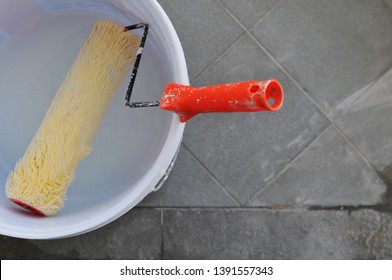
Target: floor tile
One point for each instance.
(244, 151)
(189, 184)
(249, 11)
(271, 234)
(328, 173)
(136, 235)
(205, 30)
(332, 48)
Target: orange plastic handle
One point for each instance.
(249, 96)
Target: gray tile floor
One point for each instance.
(313, 181)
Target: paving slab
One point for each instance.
(244, 151)
(277, 234)
(189, 185)
(136, 235)
(329, 173)
(331, 48)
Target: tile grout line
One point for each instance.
(288, 165)
(259, 20)
(267, 13)
(231, 14)
(224, 189)
(290, 207)
(233, 208)
(168, 207)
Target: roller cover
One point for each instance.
(41, 178)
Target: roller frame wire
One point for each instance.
(129, 104)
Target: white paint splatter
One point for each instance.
(140, 51)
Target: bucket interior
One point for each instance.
(39, 40)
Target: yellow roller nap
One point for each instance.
(41, 178)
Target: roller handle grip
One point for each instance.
(249, 96)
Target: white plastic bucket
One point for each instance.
(134, 148)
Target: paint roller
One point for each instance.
(40, 179)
